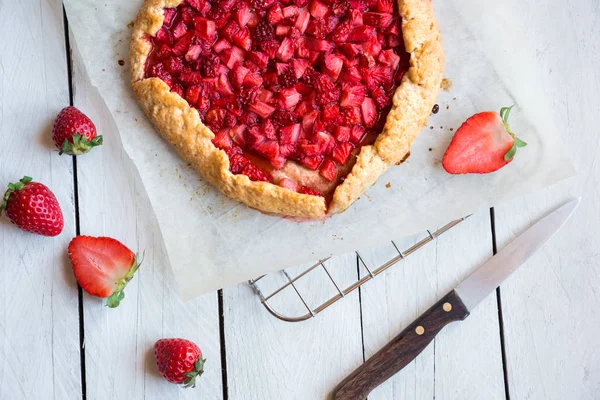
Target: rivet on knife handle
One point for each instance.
(402, 349)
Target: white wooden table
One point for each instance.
(536, 338)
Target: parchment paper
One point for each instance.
(213, 242)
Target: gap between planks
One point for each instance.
(69, 62)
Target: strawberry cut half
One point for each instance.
(103, 266)
(305, 82)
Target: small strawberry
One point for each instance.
(33, 207)
(74, 133)
(179, 361)
(102, 266)
(484, 143)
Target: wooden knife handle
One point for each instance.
(402, 349)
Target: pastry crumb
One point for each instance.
(130, 25)
(430, 149)
(121, 62)
(451, 129)
(436, 109)
(446, 84)
(388, 185)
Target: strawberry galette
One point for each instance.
(293, 107)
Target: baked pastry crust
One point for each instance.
(181, 126)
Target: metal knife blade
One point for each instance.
(454, 306)
(491, 274)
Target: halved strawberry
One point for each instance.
(181, 46)
(289, 184)
(355, 17)
(351, 50)
(193, 52)
(328, 170)
(102, 266)
(484, 143)
(341, 152)
(332, 65)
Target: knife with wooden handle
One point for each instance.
(454, 306)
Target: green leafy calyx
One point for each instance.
(115, 299)
(191, 376)
(80, 145)
(510, 154)
(14, 187)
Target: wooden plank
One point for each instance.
(118, 342)
(270, 359)
(39, 320)
(465, 360)
(550, 306)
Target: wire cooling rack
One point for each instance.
(341, 293)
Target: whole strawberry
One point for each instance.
(484, 143)
(33, 207)
(74, 133)
(179, 361)
(102, 266)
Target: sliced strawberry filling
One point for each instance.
(292, 88)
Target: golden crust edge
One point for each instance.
(412, 103)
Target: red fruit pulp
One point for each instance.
(282, 79)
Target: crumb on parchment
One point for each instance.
(388, 185)
(446, 84)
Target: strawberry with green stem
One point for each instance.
(33, 207)
(103, 266)
(74, 133)
(484, 143)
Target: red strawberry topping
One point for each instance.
(277, 81)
